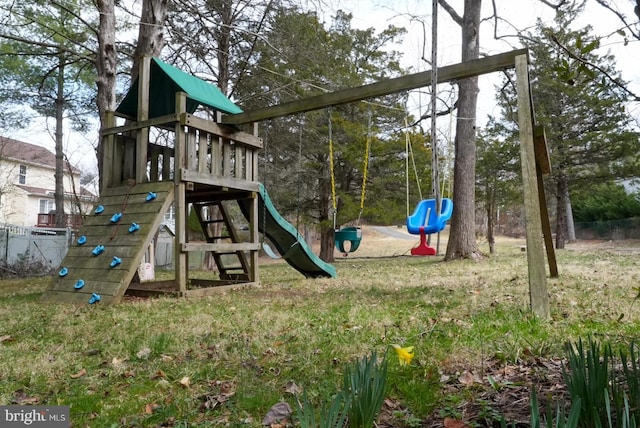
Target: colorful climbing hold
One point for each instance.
(151, 196)
(94, 298)
(98, 250)
(63, 272)
(82, 240)
(79, 284)
(134, 227)
(115, 262)
(99, 209)
(116, 217)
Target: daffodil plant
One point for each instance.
(405, 355)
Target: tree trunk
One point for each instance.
(326, 223)
(224, 44)
(106, 63)
(150, 33)
(571, 227)
(491, 220)
(59, 174)
(561, 211)
(462, 239)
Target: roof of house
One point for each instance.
(28, 153)
(83, 193)
(164, 82)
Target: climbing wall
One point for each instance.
(107, 251)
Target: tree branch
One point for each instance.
(594, 66)
(451, 11)
(622, 18)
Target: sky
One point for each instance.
(411, 14)
(521, 13)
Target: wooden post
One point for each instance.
(543, 167)
(254, 221)
(181, 260)
(108, 146)
(142, 137)
(539, 298)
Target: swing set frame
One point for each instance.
(532, 141)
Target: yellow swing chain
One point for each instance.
(365, 169)
(333, 178)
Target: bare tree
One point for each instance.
(462, 240)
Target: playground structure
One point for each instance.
(211, 162)
(202, 164)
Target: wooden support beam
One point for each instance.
(539, 298)
(543, 167)
(448, 73)
(222, 247)
(142, 137)
(108, 153)
(181, 208)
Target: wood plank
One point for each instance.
(76, 298)
(108, 147)
(212, 290)
(228, 182)
(538, 295)
(170, 120)
(102, 287)
(220, 248)
(142, 134)
(180, 258)
(203, 152)
(191, 153)
(99, 277)
(541, 149)
(226, 131)
(448, 73)
(546, 226)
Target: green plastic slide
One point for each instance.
(285, 237)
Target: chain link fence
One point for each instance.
(609, 230)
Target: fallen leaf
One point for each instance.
(130, 373)
(454, 423)
(5, 338)
(144, 353)
(185, 381)
(78, 375)
(158, 375)
(116, 361)
(150, 407)
(276, 413)
(292, 388)
(469, 378)
(21, 398)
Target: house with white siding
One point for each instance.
(27, 187)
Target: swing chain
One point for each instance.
(333, 178)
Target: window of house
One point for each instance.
(46, 206)
(22, 177)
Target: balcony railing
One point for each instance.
(74, 221)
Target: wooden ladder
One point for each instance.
(212, 215)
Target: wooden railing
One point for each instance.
(74, 221)
(210, 153)
(217, 154)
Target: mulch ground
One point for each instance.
(497, 389)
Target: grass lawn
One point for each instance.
(225, 360)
